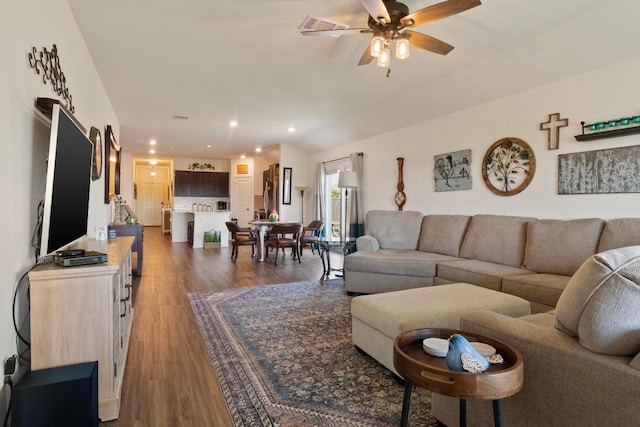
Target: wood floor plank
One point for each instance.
(169, 380)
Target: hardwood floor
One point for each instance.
(169, 380)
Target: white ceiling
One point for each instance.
(218, 60)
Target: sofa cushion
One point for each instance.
(395, 229)
(560, 247)
(443, 234)
(600, 303)
(619, 233)
(496, 238)
(539, 288)
(486, 274)
(399, 262)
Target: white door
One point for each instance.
(150, 203)
(242, 200)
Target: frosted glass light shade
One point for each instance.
(377, 44)
(385, 58)
(402, 49)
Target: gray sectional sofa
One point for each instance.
(581, 362)
(522, 256)
(581, 359)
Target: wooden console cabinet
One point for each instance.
(83, 314)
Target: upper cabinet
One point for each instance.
(201, 184)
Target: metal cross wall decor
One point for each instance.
(553, 129)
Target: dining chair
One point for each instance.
(310, 235)
(241, 237)
(285, 236)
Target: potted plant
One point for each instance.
(212, 239)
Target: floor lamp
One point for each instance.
(302, 189)
(346, 180)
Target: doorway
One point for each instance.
(151, 193)
(242, 200)
(334, 202)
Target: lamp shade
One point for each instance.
(347, 179)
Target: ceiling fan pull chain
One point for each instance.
(388, 71)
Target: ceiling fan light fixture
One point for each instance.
(377, 44)
(402, 49)
(385, 58)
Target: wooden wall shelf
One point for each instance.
(608, 133)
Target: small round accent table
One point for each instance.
(423, 370)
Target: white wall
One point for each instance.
(608, 93)
(24, 136)
(182, 164)
(292, 158)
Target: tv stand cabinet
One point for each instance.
(84, 314)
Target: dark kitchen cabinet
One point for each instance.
(196, 184)
(201, 184)
(221, 184)
(209, 184)
(181, 184)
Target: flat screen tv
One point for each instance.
(66, 201)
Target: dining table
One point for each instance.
(263, 226)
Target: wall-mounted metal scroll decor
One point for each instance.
(47, 63)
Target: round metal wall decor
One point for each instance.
(508, 166)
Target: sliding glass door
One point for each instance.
(334, 201)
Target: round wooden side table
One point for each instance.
(420, 369)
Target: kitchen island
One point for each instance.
(202, 221)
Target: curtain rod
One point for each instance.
(342, 158)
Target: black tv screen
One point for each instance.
(66, 202)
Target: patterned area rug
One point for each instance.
(284, 357)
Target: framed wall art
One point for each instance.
(615, 170)
(452, 171)
(508, 166)
(286, 187)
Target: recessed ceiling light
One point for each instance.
(152, 151)
(258, 150)
(152, 142)
(208, 145)
(233, 123)
(243, 156)
(291, 129)
(153, 162)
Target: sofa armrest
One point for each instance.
(367, 243)
(568, 384)
(635, 363)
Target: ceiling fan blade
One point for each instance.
(438, 11)
(429, 43)
(377, 10)
(366, 57)
(336, 33)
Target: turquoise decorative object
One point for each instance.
(628, 125)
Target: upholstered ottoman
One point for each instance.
(377, 319)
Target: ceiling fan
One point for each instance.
(390, 20)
